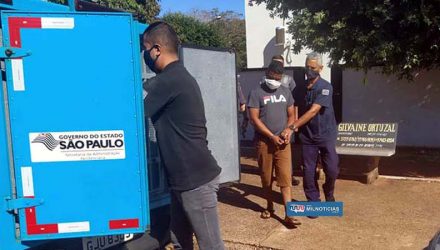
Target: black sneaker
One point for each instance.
(313, 217)
(295, 182)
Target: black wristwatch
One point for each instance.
(292, 127)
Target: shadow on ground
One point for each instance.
(237, 195)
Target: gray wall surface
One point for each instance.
(215, 73)
(415, 106)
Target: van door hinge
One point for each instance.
(12, 204)
(12, 53)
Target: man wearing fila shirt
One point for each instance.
(318, 132)
(271, 110)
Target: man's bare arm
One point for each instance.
(291, 117)
(312, 112)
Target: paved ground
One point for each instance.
(389, 214)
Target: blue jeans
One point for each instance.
(330, 162)
(195, 211)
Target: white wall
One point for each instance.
(414, 105)
(260, 41)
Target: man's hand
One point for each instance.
(242, 107)
(286, 135)
(277, 140)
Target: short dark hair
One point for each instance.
(163, 34)
(275, 67)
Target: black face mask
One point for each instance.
(149, 61)
(311, 74)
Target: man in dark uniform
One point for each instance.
(318, 132)
(174, 103)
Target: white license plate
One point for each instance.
(104, 242)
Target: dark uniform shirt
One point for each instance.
(322, 127)
(174, 103)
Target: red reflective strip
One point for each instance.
(33, 227)
(17, 23)
(43, 229)
(24, 22)
(31, 217)
(120, 224)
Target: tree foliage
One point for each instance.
(205, 28)
(231, 27)
(145, 10)
(192, 31)
(402, 36)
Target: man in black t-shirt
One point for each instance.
(174, 103)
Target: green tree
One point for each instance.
(192, 31)
(145, 10)
(232, 29)
(401, 36)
